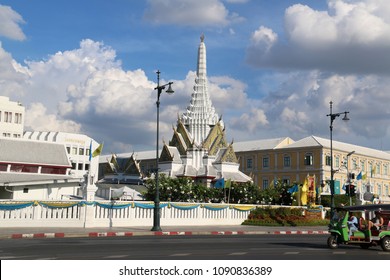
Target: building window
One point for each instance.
(265, 162)
(249, 163)
(86, 166)
(265, 183)
(286, 161)
(8, 117)
(81, 151)
(308, 159)
(0, 116)
(385, 169)
(74, 151)
(328, 160)
(362, 166)
(3, 167)
(286, 181)
(25, 190)
(354, 164)
(53, 170)
(370, 168)
(80, 166)
(18, 118)
(68, 150)
(337, 162)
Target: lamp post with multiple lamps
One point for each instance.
(333, 116)
(156, 213)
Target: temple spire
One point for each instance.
(200, 115)
(201, 70)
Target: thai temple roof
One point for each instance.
(198, 147)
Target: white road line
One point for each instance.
(339, 253)
(238, 254)
(180, 255)
(115, 256)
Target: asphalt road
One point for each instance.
(236, 247)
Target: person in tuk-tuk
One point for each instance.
(353, 224)
(376, 223)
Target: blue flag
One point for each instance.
(359, 176)
(293, 189)
(220, 183)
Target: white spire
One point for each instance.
(200, 115)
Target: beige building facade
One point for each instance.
(292, 161)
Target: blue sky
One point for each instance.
(273, 66)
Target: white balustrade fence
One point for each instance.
(107, 213)
(114, 214)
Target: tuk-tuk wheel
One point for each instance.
(385, 243)
(332, 242)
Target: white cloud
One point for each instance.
(86, 90)
(190, 13)
(9, 24)
(251, 121)
(38, 119)
(349, 37)
(13, 76)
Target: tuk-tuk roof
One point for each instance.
(366, 207)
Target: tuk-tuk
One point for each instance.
(363, 236)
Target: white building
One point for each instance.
(11, 118)
(32, 170)
(78, 147)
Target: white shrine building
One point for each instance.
(198, 148)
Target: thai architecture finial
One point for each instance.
(200, 115)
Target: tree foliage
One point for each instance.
(184, 190)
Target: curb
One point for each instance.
(157, 233)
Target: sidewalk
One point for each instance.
(47, 232)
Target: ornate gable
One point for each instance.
(182, 130)
(111, 167)
(165, 154)
(126, 166)
(215, 140)
(178, 142)
(229, 155)
(131, 167)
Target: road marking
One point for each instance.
(180, 255)
(316, 249)
(340, 253)
(383, 253)
(7, 257)
(238, 254)
(116, 256)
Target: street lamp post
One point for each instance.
(333, 116)
(156, 213)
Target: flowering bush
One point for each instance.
(185, 190)
(281, 216)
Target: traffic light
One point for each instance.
(347, 190)
(352, 191)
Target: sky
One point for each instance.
(273, 67)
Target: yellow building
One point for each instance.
(292, 161)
